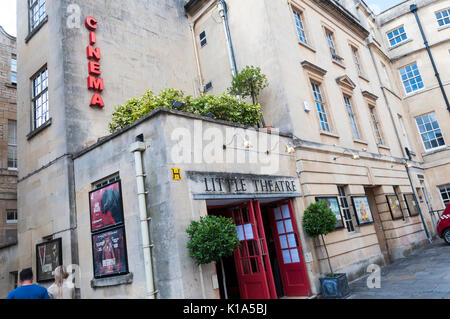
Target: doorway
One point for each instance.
(379, 229)
(269, 262)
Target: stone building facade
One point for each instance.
(329, 97)
(8, 159)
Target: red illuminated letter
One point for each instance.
(95, 83)
(91, 23)
(97, 100)
(92, 38)
(93, 53)
(94, 68)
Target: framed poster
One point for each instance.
(411, 204)
(362, 210)
(48, 257)
(333, 203)
(109, 253)
(106, 207)
(394, 207)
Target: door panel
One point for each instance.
(248, 257)
(289, 251)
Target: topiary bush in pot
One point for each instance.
(211, 239)
(319, 220)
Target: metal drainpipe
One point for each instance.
(223, 11)
(137, 148)
(197, 59)
(414, 9)
(399, 141)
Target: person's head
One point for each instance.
(26, 276)
(60, 274)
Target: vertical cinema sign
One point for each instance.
(94, 82)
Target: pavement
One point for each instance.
(425, 274)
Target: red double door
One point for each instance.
(252, 260)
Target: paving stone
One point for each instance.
(423, 274)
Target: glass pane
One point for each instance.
(286, 257)
(288, 224)
(285, 209)
(280, 227)
(277, 213)
(283, 242)
(291, 240)
(294, 255)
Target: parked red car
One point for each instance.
(443, 225)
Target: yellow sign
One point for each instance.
(176, 175)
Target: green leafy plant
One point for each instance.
(249, 82)
(319, 220)
(212, 238)
(222, 107)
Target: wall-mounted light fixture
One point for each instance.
(177, 105)
(246, 142)
(289, 148)
(355, 156)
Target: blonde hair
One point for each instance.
(60, 275)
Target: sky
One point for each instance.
(377, 6)
(8, 16)
(8, 11)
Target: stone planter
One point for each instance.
(334, 287)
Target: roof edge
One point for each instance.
(7, 34)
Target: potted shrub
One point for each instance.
(212, 238)
(319, 220)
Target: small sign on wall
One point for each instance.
(176, 174)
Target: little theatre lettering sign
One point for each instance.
(212, 185)
(94, 82)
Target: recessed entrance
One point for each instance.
(269, 262)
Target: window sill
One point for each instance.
(399, 44)
(362, 76)
(112, 281)
(11, 85)
(338, 63)
(356, 140)
(13, 169)
(306, 45)
(436, 150)
(418, 91)
(444, 27)
(329, 134)
(39, 129)
(384, 147)
(36, 29)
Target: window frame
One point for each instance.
(375, 122)
(352, 117)
(323, 103)
(442, 17)
(357, 60)
(409, 79)
(447, 192)
(41, 18)
(12, 145)
(11, 221)
(201, 39)
(427, 132)
(394, 37)
(13, 69)
(35, 98)
(346, 209)
(299, 21)
(329, 36)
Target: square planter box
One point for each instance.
(334, 287)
